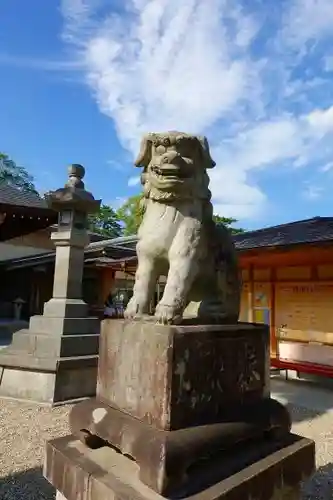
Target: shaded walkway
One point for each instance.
(310, 396)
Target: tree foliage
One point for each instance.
(131, 214)
(127, 219)
(105, 222)
(228, 221)
(15, 175)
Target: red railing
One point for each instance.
(311, 368)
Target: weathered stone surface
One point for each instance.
(65, 308)
(72, 379)
(17, 359)
(272, 471)
(165, 457)
(169, 396)
(67, 326)
(178, 376)
(178, 237)
(53, 346)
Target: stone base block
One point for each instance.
(49, 381)
(164, 458)
(173, 377)
(259, 471)
(65, 308)
(64, 326)
(49, 367)
(53, 346)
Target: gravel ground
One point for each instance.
(25, 428)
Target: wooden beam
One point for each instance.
(302, 255)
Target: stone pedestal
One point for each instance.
(187, 407)
(55, 360)
(173, 377)
(52, 362)
(273, 471)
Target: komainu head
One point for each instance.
(175, 166)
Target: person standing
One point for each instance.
(109, 308)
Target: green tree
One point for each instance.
(131, 214)
(105, 222)
(228, 221)
(14, 175)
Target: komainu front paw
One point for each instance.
(134, 309)
(167, 315)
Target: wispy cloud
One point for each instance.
(220, 67)
(116, 165)
(41, 64)
(312, 192)
(328, 167)
(308, 21)
(133, 181)
(116, 203)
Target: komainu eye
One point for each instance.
(166, 142)
(155, 140)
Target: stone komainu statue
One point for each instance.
(178, 238)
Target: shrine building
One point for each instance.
(287, 283)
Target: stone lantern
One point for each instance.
(55, 360)
(73, 203)
(18, 305)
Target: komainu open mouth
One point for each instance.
(171, 172)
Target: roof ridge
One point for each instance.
(16, 196)
(316, 218)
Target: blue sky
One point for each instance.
(82, 80)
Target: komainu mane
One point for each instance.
(179, 239)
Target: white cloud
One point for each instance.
(116, 165)
(312, 192)
(308, 20)
(117, 202)
(166, 64)
(133, 181)
(321, 121)
(328, 63)
(327, 167)
(56, 65)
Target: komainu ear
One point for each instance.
(208, 161)
(144, 156)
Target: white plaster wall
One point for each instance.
(308, 353)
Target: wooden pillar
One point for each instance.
(314, 273)
(107, 279)
(250, 298)
(274, 344)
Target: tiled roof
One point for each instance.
(10, 195)
(317, 229)
(109, 253)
